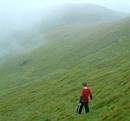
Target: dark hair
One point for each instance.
(84, 83)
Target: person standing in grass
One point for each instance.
(84, 98)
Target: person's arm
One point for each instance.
(81, 93)
(91, 97)
(80, 100)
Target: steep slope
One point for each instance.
(44, 85)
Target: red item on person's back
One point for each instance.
(85, 93)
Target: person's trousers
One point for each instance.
(85, 105)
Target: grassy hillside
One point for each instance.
(44, 85)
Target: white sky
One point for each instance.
(121, 5)
(17, 12)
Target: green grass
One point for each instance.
(46, 88)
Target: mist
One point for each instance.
(20, 19)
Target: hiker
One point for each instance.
(84, 98)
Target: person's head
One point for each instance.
(84, 84)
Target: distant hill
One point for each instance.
(78, 13)
(89, 13)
